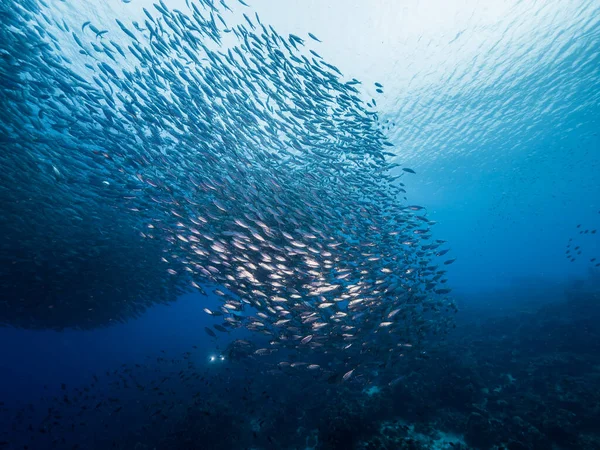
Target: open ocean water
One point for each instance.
(299, 224)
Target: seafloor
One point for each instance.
(515, 380)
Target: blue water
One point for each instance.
(496, 107)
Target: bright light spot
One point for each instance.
(222, 358)
(212, 358)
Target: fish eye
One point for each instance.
(222, 358)
(212, 358)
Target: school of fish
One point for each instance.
(183, 153)
(575, 248)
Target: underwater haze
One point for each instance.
(299, 224)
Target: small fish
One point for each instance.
(307, 339)
(210, 332)
(443, 291)
(312, 36)
(347, 375)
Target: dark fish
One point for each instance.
(312, 36)
(210, 332)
